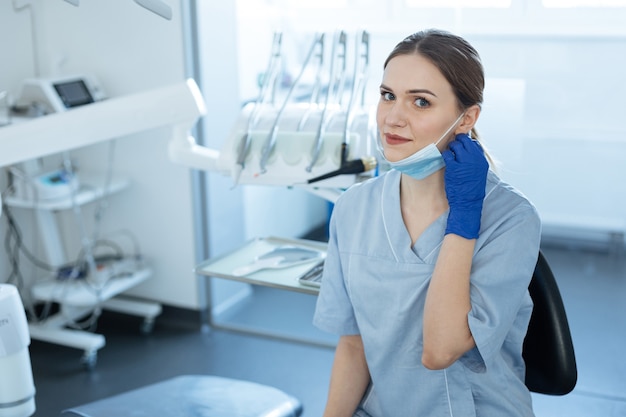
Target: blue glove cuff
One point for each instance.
(464, 223)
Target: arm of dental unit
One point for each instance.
(177, 106)
(184, 150)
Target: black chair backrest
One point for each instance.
(548, 350)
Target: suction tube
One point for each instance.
(355, 166)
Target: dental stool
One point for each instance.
(194, 396)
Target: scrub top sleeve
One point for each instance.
(334, 312)
(501, 272)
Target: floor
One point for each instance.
(593, 286)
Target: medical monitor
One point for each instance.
(73, 93)
(55, 95)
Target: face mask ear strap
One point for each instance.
(452, 126)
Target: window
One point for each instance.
(316, 4)
(500, 4)
(562, 4)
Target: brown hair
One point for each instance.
(457, 60)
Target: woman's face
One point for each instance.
(416, 106)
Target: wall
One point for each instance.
(216, 62)
(15, 62)
(130, 50)
(569, 145)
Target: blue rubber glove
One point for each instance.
(465, 180)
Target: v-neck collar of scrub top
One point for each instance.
(398, 236)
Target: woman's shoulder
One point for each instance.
(506, 197)
(365, 190)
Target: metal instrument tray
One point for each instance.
(283, 278)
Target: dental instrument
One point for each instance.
(268, 146)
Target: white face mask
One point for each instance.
(424, 162)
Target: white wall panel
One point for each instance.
(130, 50)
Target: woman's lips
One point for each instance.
(395, 139)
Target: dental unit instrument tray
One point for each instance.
(272, 261)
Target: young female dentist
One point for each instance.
(428, 266)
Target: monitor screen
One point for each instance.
(73, 93)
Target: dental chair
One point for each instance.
(195, 396)
(548, 350)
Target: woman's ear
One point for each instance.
(469, 119)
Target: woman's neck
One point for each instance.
(428, 192)
(421, 202)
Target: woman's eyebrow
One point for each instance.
(421, 91)
(413, 91)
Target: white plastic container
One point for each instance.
(17, 390)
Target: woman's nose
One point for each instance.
(395, 115)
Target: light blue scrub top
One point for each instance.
(375, 285)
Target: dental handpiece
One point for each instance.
(270, 142)
(326, 116)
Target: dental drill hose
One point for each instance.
(355, 166)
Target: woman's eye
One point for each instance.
(421, 102)
(387, 96)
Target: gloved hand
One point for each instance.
(465, 180)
